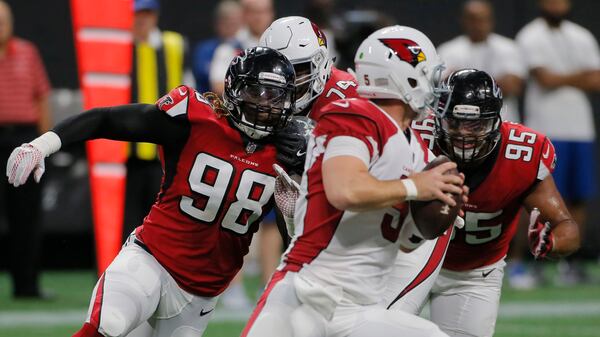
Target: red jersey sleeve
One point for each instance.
(547, 160)
(184, 102)
(354, 118)
(531, 152)
(176, 102)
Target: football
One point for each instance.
(433, 217)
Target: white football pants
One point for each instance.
(294, 306)
(466, 303)
(136, 289)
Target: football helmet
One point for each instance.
(467, 120)
(305, 45)
(399, 62)
(259, 91)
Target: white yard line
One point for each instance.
(507, 310)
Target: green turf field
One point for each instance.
(549, 311)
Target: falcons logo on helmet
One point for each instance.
(406, 50)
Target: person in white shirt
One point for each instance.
(564, 63)
(482, 49)
(257, 16)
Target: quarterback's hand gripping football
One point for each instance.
(287, 191)
(541, 239)
(29, 158)
(291, 143)
(434, 184)
(22, 161)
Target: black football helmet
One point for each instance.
(259, 91)
(467, 119)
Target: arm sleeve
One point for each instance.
(347, 146)
(132, 122)
(349, 134)
(547, 160)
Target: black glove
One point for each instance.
(291, 143)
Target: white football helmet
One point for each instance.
(399, 62)
(305, 45)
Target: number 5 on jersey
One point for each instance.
(211, 179)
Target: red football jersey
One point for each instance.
(214, 192)
(340, 85)
(492, 213)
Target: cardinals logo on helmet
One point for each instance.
(320, 36)
(406, 50)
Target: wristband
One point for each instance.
(410, 187)
(48, 143)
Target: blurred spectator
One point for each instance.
(24, 112)
(482, 49)
(227, 23)
(257, 16)
(564, 62)
(158, 66)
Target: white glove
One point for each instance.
(30, 157)
(22, 161)
(286, 193)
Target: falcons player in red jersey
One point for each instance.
(363, 164)
(218, 183)
(506, 165)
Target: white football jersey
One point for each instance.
(353, 250)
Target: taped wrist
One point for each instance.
(48, 143)
(411, 189)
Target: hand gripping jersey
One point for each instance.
(340, 85)
(342, 248)
(492, 213)
(214, 192)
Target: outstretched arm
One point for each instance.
(555, 225)
(134, 122)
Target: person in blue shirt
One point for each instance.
(227, 23)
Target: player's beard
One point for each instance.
(552, 19)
